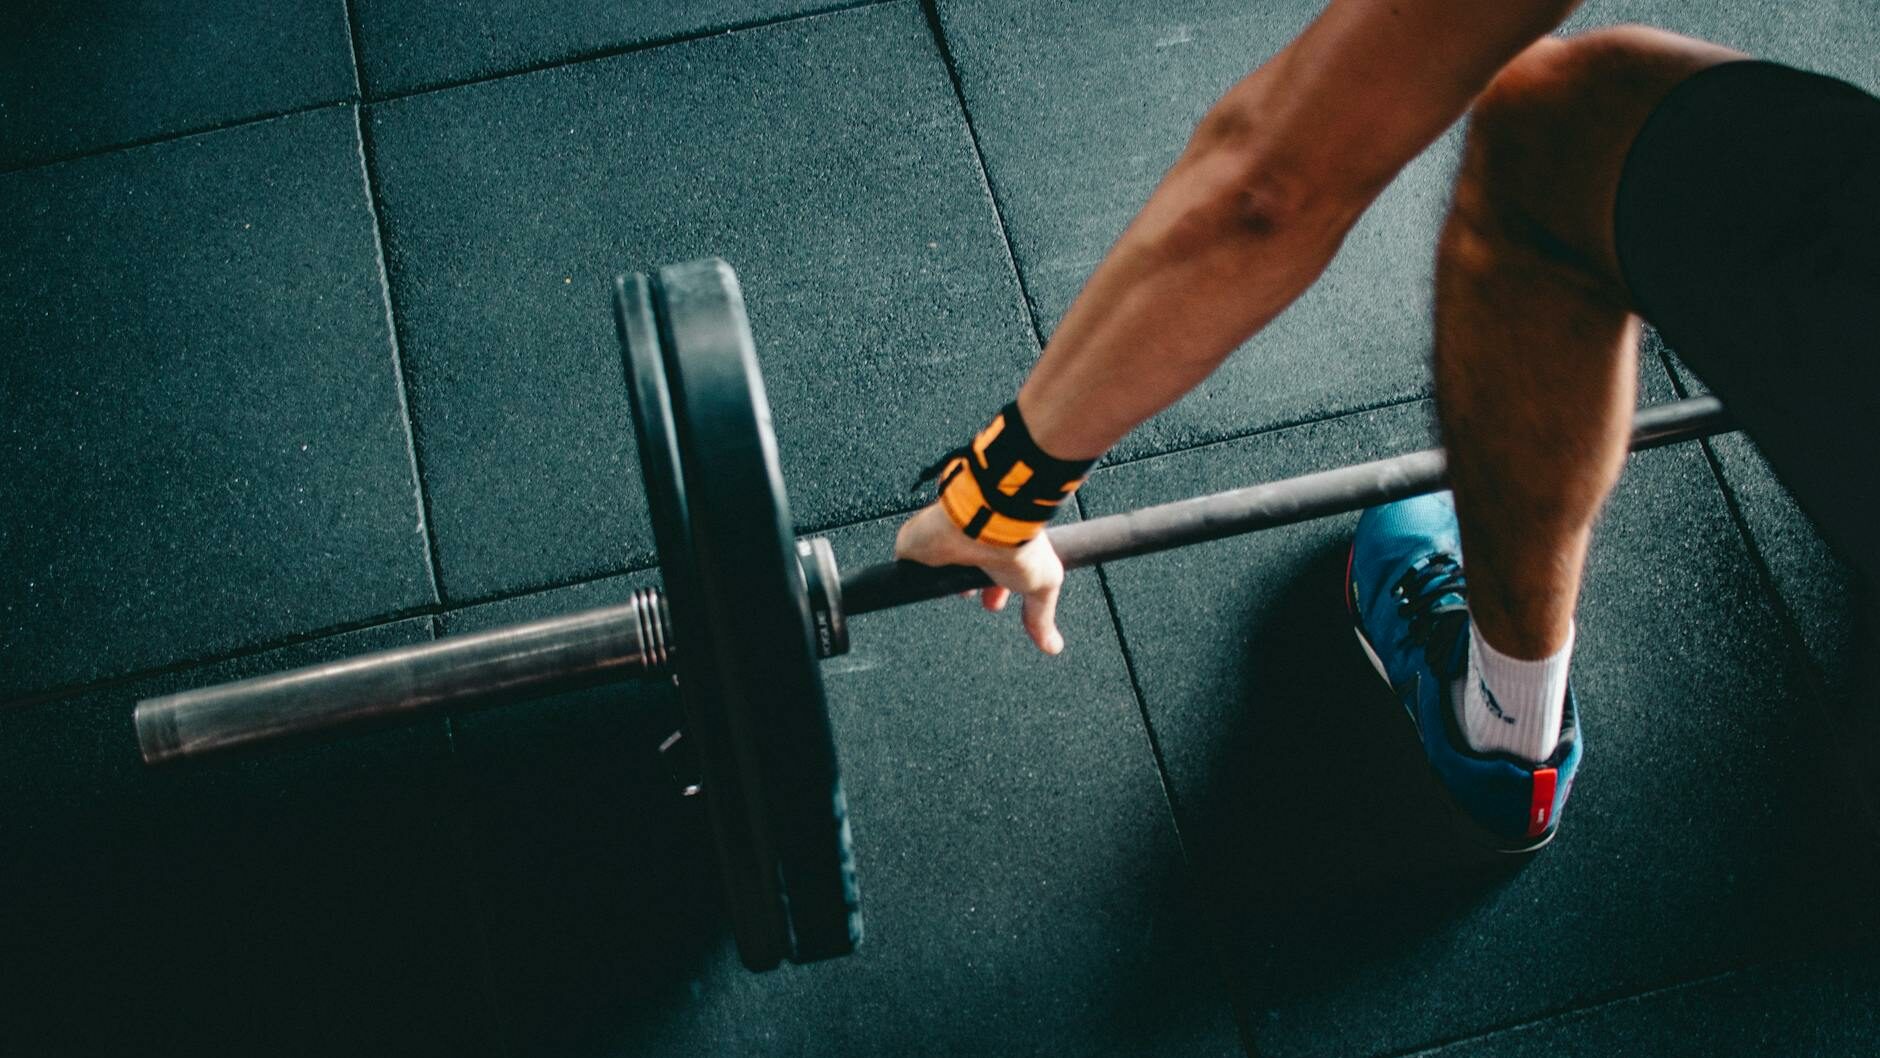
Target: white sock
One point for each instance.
(1507, 705)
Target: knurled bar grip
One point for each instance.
(1237, 511)
(392, 686)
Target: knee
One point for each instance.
(1509, 162)
(1549, 135)
(1552, 91)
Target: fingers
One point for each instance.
(1041, 619)
(1033, 572)
(993, 599)
(1041, 577)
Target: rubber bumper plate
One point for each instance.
(745, 653)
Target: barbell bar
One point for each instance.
(745, 613)
(1235, 512)
(632, 639)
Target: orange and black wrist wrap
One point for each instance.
(1003, 488)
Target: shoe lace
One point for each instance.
(1433, 595)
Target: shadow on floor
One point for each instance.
(596, 882)
(1323, 839)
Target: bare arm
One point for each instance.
(1246, 219)
(1272, 180)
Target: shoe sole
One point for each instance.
(1476, 832)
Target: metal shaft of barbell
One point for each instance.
(595, 646)
(398, 685)
(1237, 511)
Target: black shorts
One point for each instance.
(1747, 225)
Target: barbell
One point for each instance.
(745, 614)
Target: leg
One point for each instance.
(1739, 251)
(1535, 341)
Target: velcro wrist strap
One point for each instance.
(1003, 488)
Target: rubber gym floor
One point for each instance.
(307, 351)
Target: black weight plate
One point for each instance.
(759, 919)
(751, 591)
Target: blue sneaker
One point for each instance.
(1409, 601)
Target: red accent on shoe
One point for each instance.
(1542, 811)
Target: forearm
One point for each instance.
(1259, 202)
(1206, 265)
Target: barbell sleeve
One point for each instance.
(1238, 511)
(401, 684)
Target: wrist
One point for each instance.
(1003, 487)
(1060, 434)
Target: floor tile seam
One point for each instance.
(463, 825)
(470, 890)
(1237, 1009)
(1242, 1015)
(456, 606)
(614, 51)
(352, 48)
(1616, 996)
(1142, 704)
(436, 611)
(1592, 1004)
(1793, 637)
(1791, 626)
(179, 134)
(901, 509)
(1261, 431)
(1765, 572)
(930, 10)
(444, 607)
(368, 172)
(359, 98)
(937, 29)
(1276, 427)
(43, 695)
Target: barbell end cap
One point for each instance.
(157, 738)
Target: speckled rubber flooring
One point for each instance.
(305, 349)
